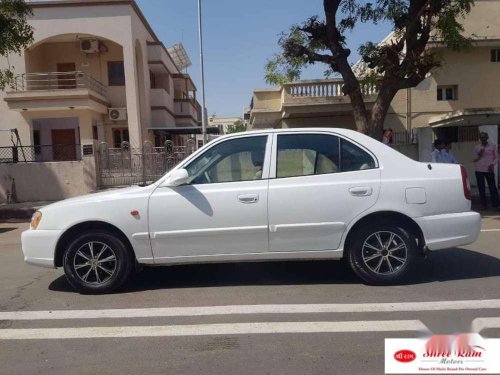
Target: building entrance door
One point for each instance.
(63, 144)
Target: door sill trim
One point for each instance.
(251, 257)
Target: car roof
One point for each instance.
(343, 131)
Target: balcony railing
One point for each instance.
(323, 89)
(57, 81)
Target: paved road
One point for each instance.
(269, 318)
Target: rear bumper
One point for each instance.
(39, 247)
(449, 230)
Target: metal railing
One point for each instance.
(40, 154)
(324, 89)
(402, 138)
(57, 81)
(130, 166)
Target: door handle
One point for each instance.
(361, 191)
(248, 198)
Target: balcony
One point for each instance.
(321, 92)
(187, 111)
(57, 91)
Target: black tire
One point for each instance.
(98, 280)
(364, 260)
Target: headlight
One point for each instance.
(35, 220)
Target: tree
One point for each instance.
(238, 127)
(15, 34)
(403, 61)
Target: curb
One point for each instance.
(16, 213)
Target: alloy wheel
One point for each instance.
(95, 263)
(384, 252)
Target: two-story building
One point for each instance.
(95, 73)
(451, 103)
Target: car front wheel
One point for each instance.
(383, 255)
(97, 262)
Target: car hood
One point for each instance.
(100, 197)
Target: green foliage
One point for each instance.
(15, 34)
(282, 69)
(238, 127)
(415, 24)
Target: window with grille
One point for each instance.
(495, 55)
(447, 93)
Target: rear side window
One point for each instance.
(307, 154)
(315, 154)
(354, 158)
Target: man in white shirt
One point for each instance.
(437, 156)
(448, 156)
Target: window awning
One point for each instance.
(186, 130)
(467, 117)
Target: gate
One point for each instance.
(138, 166)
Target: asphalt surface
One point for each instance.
(132, 346)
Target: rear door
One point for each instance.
(320, 182)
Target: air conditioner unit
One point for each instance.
(89, 45)
(117, 114)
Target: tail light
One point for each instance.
(466, 183)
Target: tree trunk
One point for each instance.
(361, 118)
(379, 111)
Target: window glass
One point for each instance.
(315, 154)
(307, 154)
(495, 55)
(439, 94)
(233, 160)
(116, 73)
(355, 158)
(447, 92)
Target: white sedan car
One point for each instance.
(265, 195)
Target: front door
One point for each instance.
(222, 210)
(66, 81)
(322, 182)
(63, 144)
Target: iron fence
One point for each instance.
(40, 154)
(137, 166)
(403, 138)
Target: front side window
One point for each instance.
(233, 160)
(315, 154)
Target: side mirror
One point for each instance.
(177, 178)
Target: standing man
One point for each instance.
(437, 156)
(486, 160)
(448, 155)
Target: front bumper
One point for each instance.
(450, 230)
(39, 247)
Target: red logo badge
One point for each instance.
(405, 356)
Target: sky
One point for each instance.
(239, 37)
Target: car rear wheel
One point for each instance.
(383, 255)
(97, 262)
